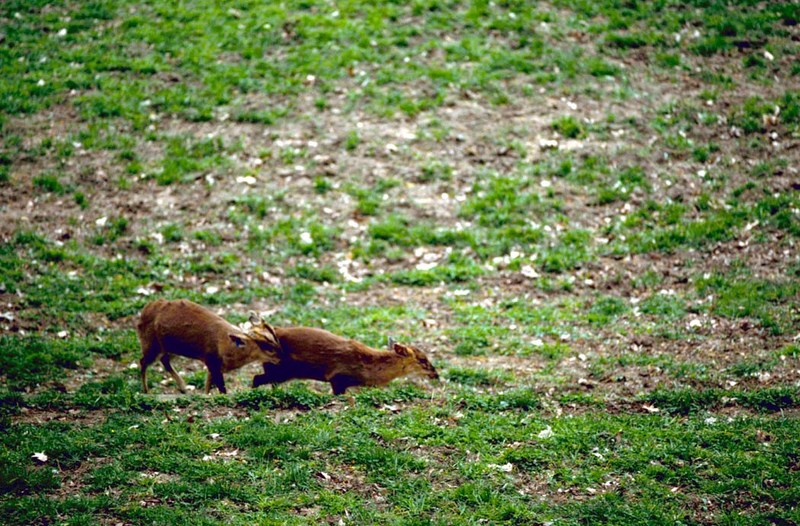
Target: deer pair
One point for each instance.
(185, 328)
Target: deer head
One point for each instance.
(263, 334)
(418, 358)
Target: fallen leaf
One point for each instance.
(548, 144)
(247, 179)
(545, 433)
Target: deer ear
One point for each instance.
(254, 319)
(237, 340)
(402, 350)
(391, 343)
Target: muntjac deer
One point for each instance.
(186, 329)
(316, 354)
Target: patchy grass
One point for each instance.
(587, 213)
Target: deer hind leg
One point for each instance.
(173, 373)
(149, 355)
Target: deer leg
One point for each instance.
(266, 378)
(341, 383)
(148, 357)
(261, 379)
(173, 373)
(272, 375)
(214, 366)
(219, 381)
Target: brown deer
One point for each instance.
(186, 329)
(316, 354)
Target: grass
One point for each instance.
(739, 297)
(569, 127)
(49, 183)
(613, 313)
(284, 463)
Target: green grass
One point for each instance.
(612, 313)
(282, 465)
(736, 296)
(569, 127)
(49, 183)
(34, 359)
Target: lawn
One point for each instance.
(586, 213)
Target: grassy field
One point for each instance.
(587, 213)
